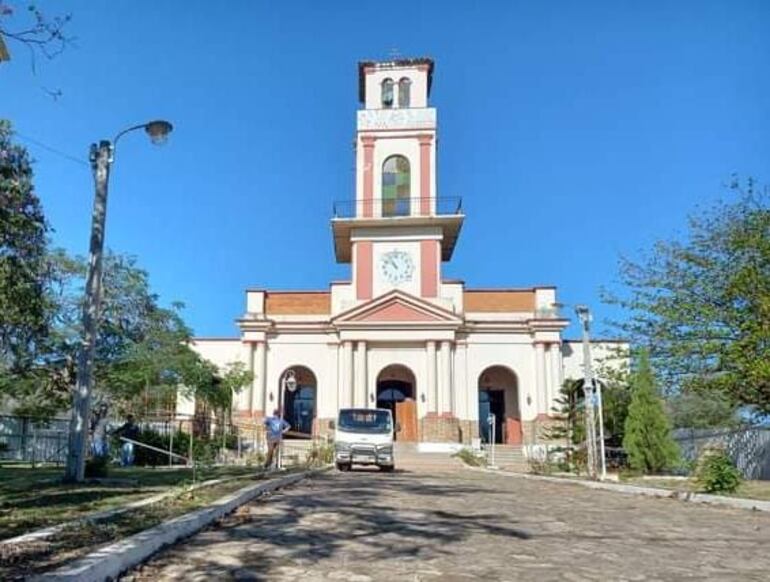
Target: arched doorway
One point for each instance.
(499, 395)
(299, 407)
(396, 388)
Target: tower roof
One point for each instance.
(390, 64)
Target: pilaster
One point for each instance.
(431, 389)
(445, 376)
(361, 394)
(540, 378)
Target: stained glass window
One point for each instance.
(404, 85)
(387, 93)
(396, 186)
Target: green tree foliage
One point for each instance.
(702, 410)
(140, 345)
(702, 304)
(647, 439)
(568, 407)
(613, 371)
(24, 322)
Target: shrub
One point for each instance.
(320, 455)
(97, 466)
(205, 449)
(470, 457)
(716, 473)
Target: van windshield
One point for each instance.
(371, 421)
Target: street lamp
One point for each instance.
(584, 315)
(101, 157)
(288, 382)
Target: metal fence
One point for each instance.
(34, 440)
(749, 448)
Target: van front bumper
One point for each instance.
(364, 455)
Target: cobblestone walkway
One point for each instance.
(465, 525)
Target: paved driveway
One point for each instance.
(467, 525)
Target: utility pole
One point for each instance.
(584, 315)
(101, 157)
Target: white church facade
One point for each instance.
(398, 334)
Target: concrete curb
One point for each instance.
(110, 561)
(734, 502)
(50, 531)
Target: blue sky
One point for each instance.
(574, 131)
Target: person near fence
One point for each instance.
(275, 427)
(99, 421)
(129, 430)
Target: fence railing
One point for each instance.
(749, 448)
(397, 207)
(35, 440)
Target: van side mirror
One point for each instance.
(331, 424)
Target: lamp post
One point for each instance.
(288, 382)
(101, 158)
(592, 401)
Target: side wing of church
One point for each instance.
(399, 335)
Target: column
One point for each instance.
(346, 375)
(331, 392)
(430, 377)
(368, 143)
(259, 394)
(360, 397)
(425, 173)
(247, 402)
(548, 378)
(445, 375)
(540, 385)
(556, 372)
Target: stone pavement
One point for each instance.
(465, 525)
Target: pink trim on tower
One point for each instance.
(425, 172)
(368, 143)
(363, 269)
(429, 257)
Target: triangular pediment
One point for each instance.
(397, 307)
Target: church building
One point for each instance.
(398, 334)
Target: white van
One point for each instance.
(364, 436)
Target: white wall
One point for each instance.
(418, 91)
(603, 353)
(308, 350)
(512, 351)
(222, 352)
(411, 356)
(343, 297)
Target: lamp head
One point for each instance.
(291, 381)
(158, 131)
(583, 313)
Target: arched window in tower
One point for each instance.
(404, 86)
(396, 179)
(387, 93)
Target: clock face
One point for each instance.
(397, 267)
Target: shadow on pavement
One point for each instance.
(356, 513)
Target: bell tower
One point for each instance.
(397, 230)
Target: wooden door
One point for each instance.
(406, 416)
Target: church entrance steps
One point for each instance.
(409, 458)
(510, 457)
